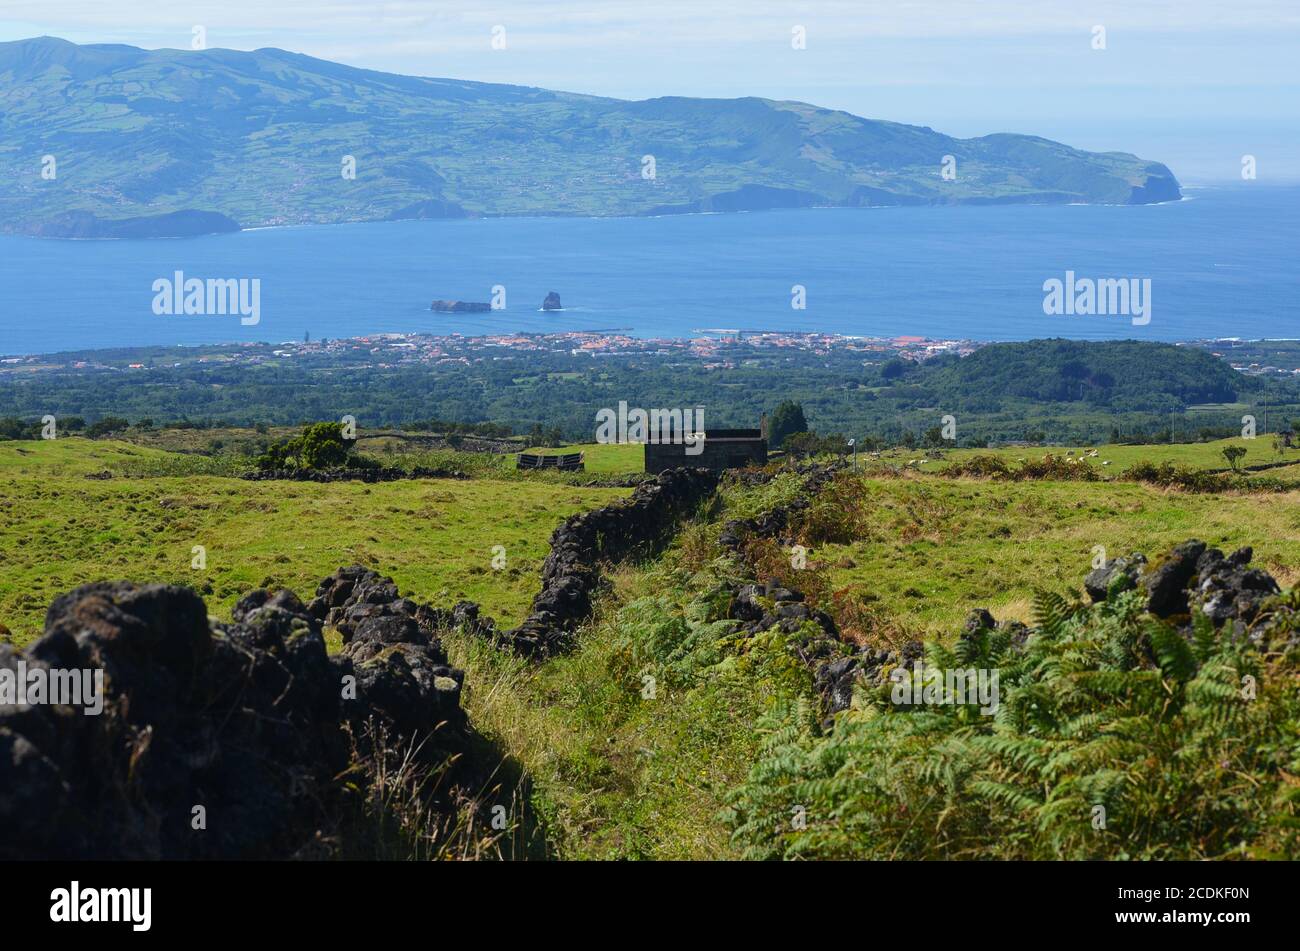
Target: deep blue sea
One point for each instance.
(1225, 262)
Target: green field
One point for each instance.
(600, 457)
(927, 551)
(614, 772)
(617, 775)
(1200, 455)
(435, 537)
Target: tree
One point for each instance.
(323, 446)
(1074, 371)
(802, 445)
(786, 420)
(107, 425)
(805, 444)
(1233, 454)
(895, 368)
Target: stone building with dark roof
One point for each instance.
(722, 449)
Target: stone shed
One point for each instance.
(723, 449)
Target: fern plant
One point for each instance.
(1116, 736)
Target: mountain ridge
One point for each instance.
(263, 138)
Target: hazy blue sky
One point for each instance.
(1193, 83)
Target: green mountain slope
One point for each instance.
(260, 138)
(1114, 373)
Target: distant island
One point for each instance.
(283, 138)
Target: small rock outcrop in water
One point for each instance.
(252, 720)
(460, 307)
(552, 302)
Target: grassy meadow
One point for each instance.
(924, 551)
(619, 774)
(607, 458)
(61, 529)
(1197, 455)
(638, 743)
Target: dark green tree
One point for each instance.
(107, 425)
(895, 368)
(323, 446)
(786, 420)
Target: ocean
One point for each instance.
(1224, 262)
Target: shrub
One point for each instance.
(107, 426)
(861, 620)
(772, 562)
(1056, 468)
(321, 446)
(980, 467)
(1116, 737)
(1168, 475)
(838, 513)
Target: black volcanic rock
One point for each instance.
(1227, 590)
(1101, 581)
(460, 307)
(252, 720)
(552, 302)
(1167, 580)
(570, 574)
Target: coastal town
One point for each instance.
(714, 348)
(723, 347)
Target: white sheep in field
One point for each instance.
(1106, 462)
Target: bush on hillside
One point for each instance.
(838, 514)
(1050, 467)
(1117, 736)
(320, 446)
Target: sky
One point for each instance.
(1196, 84)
